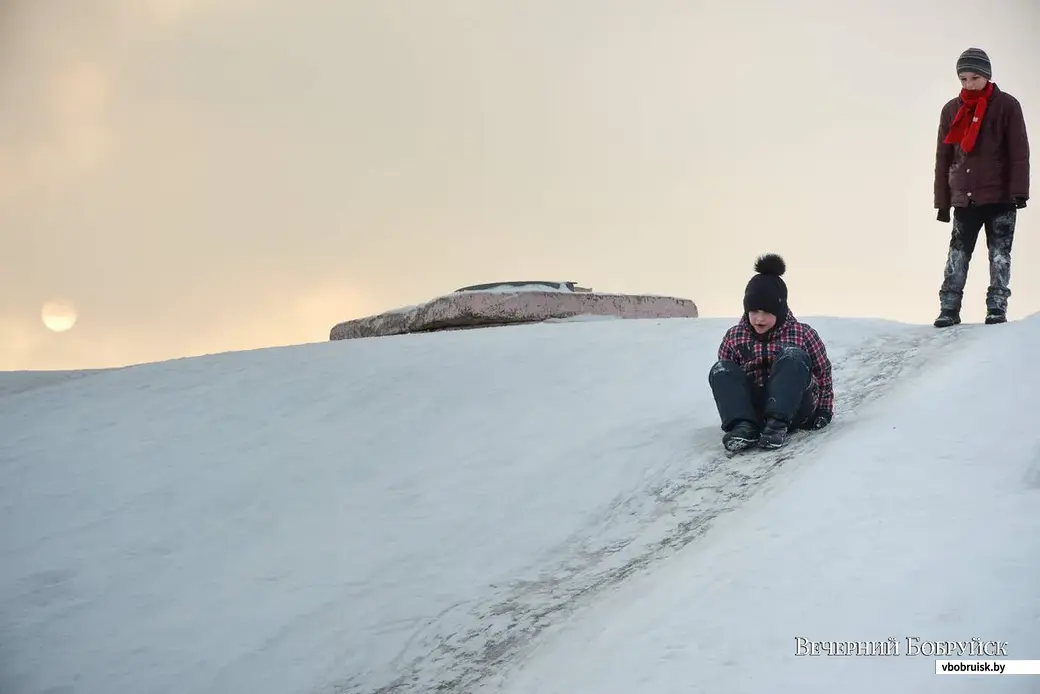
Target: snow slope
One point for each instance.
(532, 508)
(920, 522)
(12, 382)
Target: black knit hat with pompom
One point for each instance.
(767, 291)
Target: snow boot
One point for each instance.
(774, 435)
(743, 435)
(994, 316)
(947, 318)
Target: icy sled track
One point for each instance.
(524, 509)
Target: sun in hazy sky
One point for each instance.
(58, 315)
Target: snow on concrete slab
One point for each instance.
(510, 305)
(413, 514)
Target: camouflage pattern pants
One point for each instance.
(999, 223)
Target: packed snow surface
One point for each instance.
(539, 508)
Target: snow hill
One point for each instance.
(523, 509)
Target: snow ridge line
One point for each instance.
(669, 515)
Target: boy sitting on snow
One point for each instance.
(772, 369)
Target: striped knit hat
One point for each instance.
(975, 60)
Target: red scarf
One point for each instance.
(968, 120)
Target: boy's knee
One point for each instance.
(795, 353)
(722, 366)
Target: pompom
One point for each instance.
(770, 264)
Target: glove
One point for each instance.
(821, 419)
(1020, 203)
(943, 216)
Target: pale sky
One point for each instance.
(198, 176)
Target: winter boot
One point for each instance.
(947, 317)
(741, 436)
(994, 316)
(774, 435)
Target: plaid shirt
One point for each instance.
(742, 345)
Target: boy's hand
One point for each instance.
(821, 419)
(944, 215)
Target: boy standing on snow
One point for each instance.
(772, 370)
(982, 171)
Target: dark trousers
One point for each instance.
(999, 223)
(789, 394)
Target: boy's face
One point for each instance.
(761, 321)
(972, 81)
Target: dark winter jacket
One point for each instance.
(756, 353)
(996, 170)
